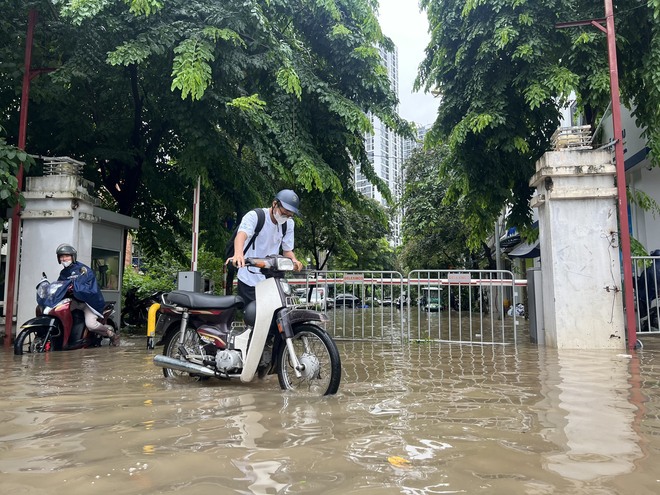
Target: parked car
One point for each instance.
(317, 298)
(372, 301)
(347, 300)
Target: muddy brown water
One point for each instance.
(420, 418)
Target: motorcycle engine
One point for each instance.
(227, 360)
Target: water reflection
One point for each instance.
(588, 414)
(424, 418)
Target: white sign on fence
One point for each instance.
(459, 278)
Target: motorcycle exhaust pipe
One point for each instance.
(177, 364)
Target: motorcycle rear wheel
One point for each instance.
(32, 341)
(171, 349)
(318, 352)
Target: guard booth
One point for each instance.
(61, 208)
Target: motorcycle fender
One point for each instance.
(299, 315)
(43, 322)
(164, 323)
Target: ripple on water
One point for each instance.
(416, 419)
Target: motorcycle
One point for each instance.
(201, 338)
(135, 309)
(56, 327)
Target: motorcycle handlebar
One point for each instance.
(272, 262)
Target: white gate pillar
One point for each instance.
(576, 201)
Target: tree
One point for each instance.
(249, 96)
(11, 159)
(504, 71)
(434, 236)
(364, 245)
(355, 235)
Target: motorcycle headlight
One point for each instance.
(286, 288)
(284, 264)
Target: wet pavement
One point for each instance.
(422, 418)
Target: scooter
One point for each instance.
(276, 337)
(57, 327)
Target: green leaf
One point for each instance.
(340, 31)
(144, 7)
(504, 36)
(216, 34)
(250, 103)
(191, 71)
(288, 80)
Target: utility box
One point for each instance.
(191, 281)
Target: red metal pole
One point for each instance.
(16, 218)
(620, 178)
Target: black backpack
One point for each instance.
(229, 247)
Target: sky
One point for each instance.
(402, 21)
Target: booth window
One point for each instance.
(105, 264)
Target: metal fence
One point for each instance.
(646, 271)
(468, 306)
(360, 305)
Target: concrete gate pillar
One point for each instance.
(578, 232)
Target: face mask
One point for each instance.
(66, 263)
(279, 218)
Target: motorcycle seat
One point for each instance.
(200, 300)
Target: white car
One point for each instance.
(316, 298)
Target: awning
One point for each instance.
(510, 238)
(524, 250)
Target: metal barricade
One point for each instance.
(468, 306)
(463, 306)
(359, 304)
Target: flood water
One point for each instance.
(419, 418)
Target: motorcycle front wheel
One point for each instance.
(191, 343)
(318, 353)
(33, 341)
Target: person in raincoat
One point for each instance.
(85, 290)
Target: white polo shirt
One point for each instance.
(268, 242)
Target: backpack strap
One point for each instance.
(261, 218)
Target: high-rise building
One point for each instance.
(385, 150)
(411, 144)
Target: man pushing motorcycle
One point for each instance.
(85, 290)
(276, 230)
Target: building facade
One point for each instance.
(385, 150)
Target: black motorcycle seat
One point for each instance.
(200, 300)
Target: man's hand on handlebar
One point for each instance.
(238, 260)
